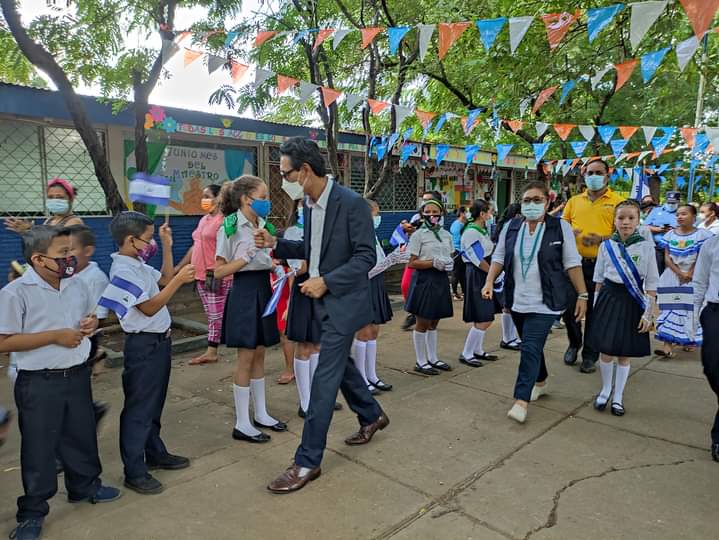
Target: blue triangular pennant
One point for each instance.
(660, 143)
(382, 149)
(300, 35)
(470, 151)
(440, 122)
(503, 151)
(578, 147)
(701, 142)
(395, 37)
(472, 118)
(681, 182)
(617, 147)
(651, 62)
(407, 134)
(370, 147)
(566, 88)
(668, 131)
(599, 18)
(606, 133)
(489, 29)
(442, 151)
(230, 38)
(540, 149)
(393, 140)
(407, 151)
(663, 167)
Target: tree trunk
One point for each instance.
(43, 60)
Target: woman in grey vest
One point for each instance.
(536, 252)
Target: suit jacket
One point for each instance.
(348, 254)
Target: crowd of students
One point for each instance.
(526, 269)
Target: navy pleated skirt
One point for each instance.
(381, 306)
(243, 326)
(477, 309)
(429, 295)
(302, 325)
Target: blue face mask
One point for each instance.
(377, 220)
(57, 206)
(594, 182)
(489, 221)
(300, 217)
(261, 207)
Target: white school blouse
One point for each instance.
(471, 235)
(97, 282)
(643, 255)
(241, 246)
(424, 245)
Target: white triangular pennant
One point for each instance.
(169, 49)
(261, 75)
(643, 16)
(649, 133)
(566, 168)
(629, 171)
(524, 105)
(599, 75)
(401, 113)
(518, 27)
(352, 100)
(425, 34)
(338, 36)
(713, 134)
(306, 90)
(587, 132)
(541, 128)
(214, 63)
(644, 154)
(685, 50)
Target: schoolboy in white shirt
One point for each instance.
(46, 317)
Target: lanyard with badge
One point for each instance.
(527, 262)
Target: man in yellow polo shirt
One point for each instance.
(591, 215)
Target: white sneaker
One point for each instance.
(538, 391)
(517, 413)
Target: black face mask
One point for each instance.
(66, 266)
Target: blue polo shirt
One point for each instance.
(456, 231)
(659, 217)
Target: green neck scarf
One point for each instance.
(631, 239)
(434, 228)
(230, 225)
(478, 228)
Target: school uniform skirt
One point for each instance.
(615, 318)
(429, 295)
(302, 324)
(243, 326)
(381, 306)
(477, 309)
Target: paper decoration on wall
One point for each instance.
(190, 56)
(157, 113)
(542, 98)
(449, 33)
(566, 88)
(503, 151)
(518, 27)
(368, 35)
(578, 147)
(339, 35)
(395, 36)
(149, 122)
(442, 151)
(322, 35)
(262, 37)
(624, 72)
(700, 14)
(563, 130)
(214, 63)
(226, 122)
(377, 107)
(606, 133)
(541, 128)
(644, 14)
(628, 131)
(329, 96)
(685, 51)
(470, 151)
(425, 35)
(489, 29)
(284, 83)
(238, 71)
(539, 150)
(651, 62)
(557, 25)
(599, 18)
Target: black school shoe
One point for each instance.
(511, 346)
(30, 529)
(145, 485)
(168, 462)
(715, 452)
(486, 357)
(261, 438)
(471, 362)
(278, 427)
(104, 494)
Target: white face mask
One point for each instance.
(293, 189)
(672, 206)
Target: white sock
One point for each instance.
(257, 387)
(242, 410)
(371, 365)
(507, 328)
(607, 371)
(479, 341)
(360, 358)
(314, 360)
(432, 346)
(420, 347)
(304, 382)
(620, 383)
(470, 344)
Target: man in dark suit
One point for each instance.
(339, 247)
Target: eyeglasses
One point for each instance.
(285, 174)
(536, 200)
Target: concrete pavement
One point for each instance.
(450, 465)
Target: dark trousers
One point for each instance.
(458, 275)
(335, 371)
(533, 329)
(144, 382)
(56, 418)
(661, 262)
(710, 356)
(574, 328)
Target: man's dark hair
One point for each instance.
(39, 238)
(127, 224)
(83, 234)
(603, 162)
(301, 150)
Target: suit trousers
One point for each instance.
(335, 371)
(574, 328)
(145, 378)
(56, 419)
(710, 356)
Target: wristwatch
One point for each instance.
(583, 296)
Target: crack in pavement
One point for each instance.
(552, 517)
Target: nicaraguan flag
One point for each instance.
(275, 299)
(399, 237)
(676, 298)
(119, 296)
(148, 189)
(640, 187)
(474, 254)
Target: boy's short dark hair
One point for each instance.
(84, 234)
(127, 224)
(39, 238)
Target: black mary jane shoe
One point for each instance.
(425, 370)
(279, 427)
(486, 357)
(618, 409)
(373, 389)
(440, 365)
(261, 438)
(381, 385)
(471, 362)
(598, 405)
(512, 346)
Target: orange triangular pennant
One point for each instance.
(425, 117)
(377, 106)
(688, 134)
(330, 95)
(238, 70)
(563, 130)
(284, 83)
(515, 125)
(575, 162)
(322, 35)
(628, 131)
(264, 36)
(368, 35)
(700, 14)
(542, 98)
(448, 34)
(557, 25)
(624, 71)
(191, 56)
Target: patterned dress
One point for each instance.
(676, 325)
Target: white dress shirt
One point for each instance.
(319, 210)
(97, 282)
(644, 256)
(295, 233)
(706, 274)
(30, 305)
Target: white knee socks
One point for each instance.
(607, 371)
(509, 331)
(470, 344)
(304, 382)
(620, 383)
(314, 360)
(257, 387)
(371, 365)
(242, 411)
(360, 357)
(420, 347)
(479, 342)
(432, 346)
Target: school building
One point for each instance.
(38, 142)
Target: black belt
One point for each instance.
(67, 372)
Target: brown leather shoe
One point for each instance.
(290, 480)
(365, 433)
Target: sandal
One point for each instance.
(285, 378)
(662, 354)
(426, 370)
(440, 365)
(381, 385)
(199, 360)
(617, 409)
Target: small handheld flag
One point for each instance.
(119, 296)
(474, 254)
(399, 237)
(149, 189)
(275, 299)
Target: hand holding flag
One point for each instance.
(399, 237)
(276, 294)
(149, 189)
(473, 254)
